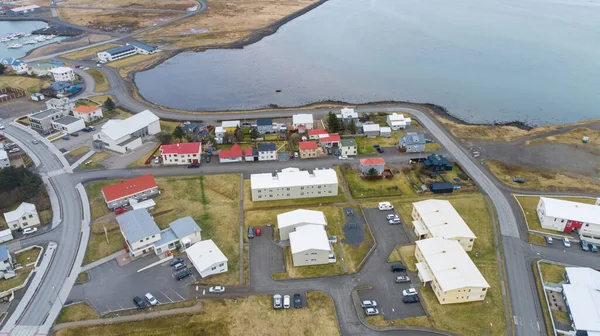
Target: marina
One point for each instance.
(17, 38)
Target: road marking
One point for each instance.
(163, 293)
(538, 324)
(120, 306)
(177, 294)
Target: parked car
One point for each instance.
(176, 261)
(566, 242)
(411, 299)
(332, 239)
(120, 210)
(549, 240)
(183, 274)
(194, 165)
(257, 232)
(74, 134)
(395, 221)
(286, 301)
(297, 301)
(27, 231)
(329, 151)
(584, 245)
(392, 216)
(379, 149)
(14, 150)
(336, 152)
(35, 142)
(139, 302)
(207, 159)
(402, 279)
(1, 127)
(409, 292)
(398, 268)
(518, 180)
(87, 129)
(216, 289)
(179, 266)
(276, 301)
(371, 311)
(151, 299)
(343, 158)
(593, 247)
(156, 160)
(385, 206)
(251, 232)
(65, 137)
(368, 303)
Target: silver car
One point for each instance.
(368, 304)
(402, 279)
(371, 311)
(277, 301)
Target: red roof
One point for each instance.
(333, 137)
(248, 151)
(128, 187)
(181, 148)
(317, 131)
(372, 162)
(234, 152)
(86, 109)
(308, 145)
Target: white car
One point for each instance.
(151, 299)
(385, 206)
(35, 142)
(409, 292)
(368, 304)
(566, 242)
(14, 150)
(86, 68)
(1, 127)
(29, 231)
(371, 311)
(343, 158)
(216, 289)
(392, 216)
(286, 301)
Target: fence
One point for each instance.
(11, 93)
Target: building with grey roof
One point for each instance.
(68, 124)
(42, 121)
(412, 143)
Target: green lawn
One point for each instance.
(77, 312)
(28, 257)
(95, 160)
(98, 247)
(529, 205)
(552, 273)
(365, 145)
(398, 185)
(102, 83)
(395, 255)
(536, 239)
(161, 307)
(83, 277)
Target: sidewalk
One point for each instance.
(82, 159)
(102, 261)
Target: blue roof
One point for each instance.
(166, 236)
(267, 147)
(118, 50)
(60, 85)
(184, 227)
(414, 138)
(137, 224)
(142, 45)
(8, 60)
(437, 160)
(264, 122)
(3, 252)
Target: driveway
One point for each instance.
(82, 139)
(266, 258)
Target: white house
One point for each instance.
(315, 134)
(398, 121)
(566, 216)
(347, 115)
(4, 161)
(42, 121)
(348, 147)
(302, 122)
(581, 294)
(293, 183)
(288, 221)
(138, 188)
(234, 154)
(16, 65)
(6, 261)
(6, 235)
(385, 132)
(22, 217)
(63, 74)
(37, 97)
(126, 135)
(181, 153)
(230, 125)
(68, 124)
(220, 132)
(88, 113)
(207, 258)
(371, 130)
(309, 245)
(42, 69)
(267, 152)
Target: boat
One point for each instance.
(40, 38)
(4, 39)
(27, 35)
(30, 42)
(50, 37)
(14, 46)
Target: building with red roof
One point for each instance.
(377, 163)
(330, 140)
(250, 154)
(309, 149)
(139, 188)
(88, 113)
(315, 133)
(181, 153)
(234, 154)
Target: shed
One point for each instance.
(441, 187)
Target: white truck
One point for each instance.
(385, 206)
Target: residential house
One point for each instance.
(138, 188)
(438, 219)
(371, 130)
(230, 125)
(42, 121)
(437, 162)
(42, 69)
(316, 134)
(22, 217)
(19, 67)
(292, 183)
(567, 216)
(250, 154)
(207, 258)
(181, 153)
(64, 104)
(373, 163)
(302, 122)
(289, 221)
(4, 161)
(125, 135)
(117, 53)
(412, 143)
(309, 245)
(264, 125)
(309, 149)
(143, 48)
(447, 267)
(63, 87)
(398, 121)
(581, 295)
(330, 140)
(234, 154)
(441, 187)
(195, 129)
(88, 113)
(348, 147)
(219, 134)
(347, 115)
(63, 74)
(24, 10)
(385, 132)
(267, 152)
(6, 261)
(68, 124)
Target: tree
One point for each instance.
(238, 135)
(226, 138)
(295, 139)
(2, 69)
(372, 173)
(352, 127)
(254, 134)
(333, 123)
(178, 133)
(164, 138)
(109, 104)
(18, 185)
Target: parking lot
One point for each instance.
(266, 257)
(386, 291)
(112, 287)
(82, 139)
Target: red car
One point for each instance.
(257, 232)
(119, 211)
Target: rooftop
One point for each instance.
(347, 113)
(4, 254)
(372, 162)
(66, 120)
(45, 113)
(60, 70)
(230, 123)
(292, 177)
(25, 8)
(185, 226)
(370, 127)
(348, 143)
(3, 155)
(317, 131)
(118, 50)
(583, 294)
(264, 122)
(23, 208)
(128, 187)
(116, 129)
(137, 224)
(204, 254)
(437, 160)
(413, 138)
(143, 46)
(86, 109)
(581, 212)
(441, 219)
(309, 237)
(308, 145)
(333, 137)
(294, 217)
(267, 147)
(234, 152)
(302, 119)
(397, 117)
(181, 148)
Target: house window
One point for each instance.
(24, 218)
(221, 264)
(141, 240)
(481, 296)
(214, 268)
(31, 216)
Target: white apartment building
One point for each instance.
(287, 222)
(438, 219)
(24, 216)
(302, 122)
(207, 258)
(4, 161)
(293, 183)
(181, 153)
(267, 152)
(63, 74)
(566, 216)
(309, 245)
(126, 135)
(581, 293)
(398, 121)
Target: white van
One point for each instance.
(385, 206)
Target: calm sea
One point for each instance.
(7, 27)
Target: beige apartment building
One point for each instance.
(446, 266)
(292, 183)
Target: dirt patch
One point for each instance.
(168, 4)
(67, 45)
(118, 21)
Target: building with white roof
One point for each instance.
(566, 216)
(302, 122)
(63, 74)
(371, 130)
(288, 222)
(4, 161)
(126, 135)
(207, 258)
(230, 125)
(293, 183)
(22, 217)
(398, 121)
(347, 115)
(581, 293)
(438, 219)
(453, 276)
(309, 245)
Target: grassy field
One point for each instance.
(573, 137)
(94, 192)
(168, 126)
(98, 247)
(395, 255)
(89, 51)
(552, 273)
(364, 145)
(398, 185)
(160, 307)
(102, 83)
(77, 312)
(249, 204)
(529, 205)
(83, 277)
(79, 151)
(23, 258)
(251, 316)
(407, 255)
(380, 321)
(28, 257)
(128, 61)
(29, 84)
(542, 298)
(538, 180)
(536, 239)
(100, 99)
(141, 162)
(561, 317)
(96, 159)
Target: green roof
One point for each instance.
(348, 142)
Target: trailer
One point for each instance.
(6, 235)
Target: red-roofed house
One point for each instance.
(367, 164)
(139, 188)
(181, 153)
(329, 141)
(250, 154)
(315, 133)
(309, 149)
(88, 113)
(231, 155)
